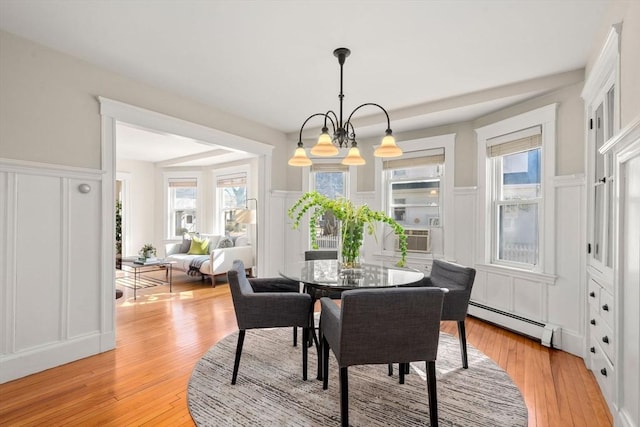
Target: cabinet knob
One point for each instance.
(592, 350)
(603, 371)
(593, 321)
(592, 294)
(605, 307)
(605, 339)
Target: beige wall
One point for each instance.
(49, 112)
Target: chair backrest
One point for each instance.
(240, 289)
(445, 274)
(320, 254)
(389, 325)
(459, 280)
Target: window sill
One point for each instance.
(547, 279)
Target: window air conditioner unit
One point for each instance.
(417, 241)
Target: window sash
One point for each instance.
(516, 254)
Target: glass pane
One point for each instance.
(518, 233)
(521, 175)
(609, 117)
(598, 221)
(332, 185)
(183, 210)
(233, 199)
(415, 193)
(609, 229)
(599, 159)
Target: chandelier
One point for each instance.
(343, 133)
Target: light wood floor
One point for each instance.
(161, 336)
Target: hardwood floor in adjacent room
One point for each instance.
(162, 335)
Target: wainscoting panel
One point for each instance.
(52, 280)
(566, 299)
(84, 283)
(499, 290)
(465, 201)
(38, 269)
(528, 298)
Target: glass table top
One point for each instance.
(327, 274)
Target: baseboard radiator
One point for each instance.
(548, 334)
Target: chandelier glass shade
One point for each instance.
(343, 133)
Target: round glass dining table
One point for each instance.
(326, 278)
(327, 275)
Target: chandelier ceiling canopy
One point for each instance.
(343, 133)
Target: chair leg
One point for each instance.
(295, 336)
(236, 364)
(401, 372)
(305, 353)
(463, 343)
(325, 363)
(344, 397)
(390, 369)
(433, 398)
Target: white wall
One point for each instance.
(140, 205)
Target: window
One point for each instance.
(232, 196)
(182, 198)
(516, 159)
(417, 190)
(516, 197)
(330, 180)
(414, 196)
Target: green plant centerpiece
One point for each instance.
(353, 222)
(147, 251)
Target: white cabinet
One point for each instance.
(601, 337)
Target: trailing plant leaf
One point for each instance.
(354, 221)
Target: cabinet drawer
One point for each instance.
(593, 292)
(606, 307)
(604, 373)
(606, 340)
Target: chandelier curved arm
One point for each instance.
(326, 115)
(388, 131)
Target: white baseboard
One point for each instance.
(18, 365)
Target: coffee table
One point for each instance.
(139, 269)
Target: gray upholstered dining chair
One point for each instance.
(458, 279)
(376, 326)
(276, 284)
(266, 310)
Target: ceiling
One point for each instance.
(428, 63)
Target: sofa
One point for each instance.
(208, 255)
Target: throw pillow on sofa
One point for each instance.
(186, 243)
(199, 246)
(225, 242)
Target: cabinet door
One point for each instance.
(602, 184)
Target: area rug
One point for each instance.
(142, 282)
(270, 390)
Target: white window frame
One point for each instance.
(497, 202)
(486, 230)
(217, 173)
(182, 175)
(413, 148)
